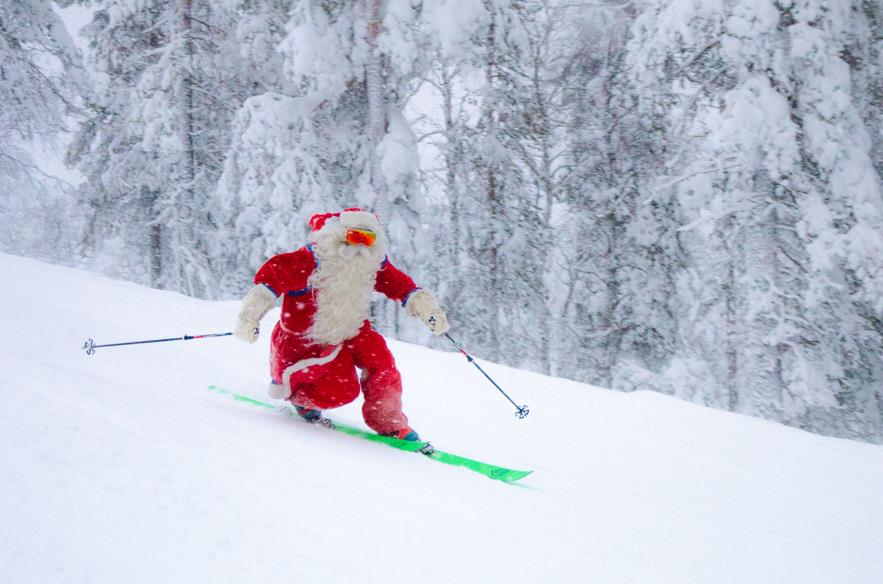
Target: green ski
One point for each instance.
(489, 470)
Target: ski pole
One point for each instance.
(522, 411)
(89, 346)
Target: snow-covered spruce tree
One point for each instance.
(332, 134)
(154, 147)
(864, 53)
(785, 217)
(493, 231)
(540, 56)
(619, 248)
(243, 205)
(289, 156)
(489, 151)
(442, 172)
(445, 114)
(41, 79)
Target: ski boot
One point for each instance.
(406, 433)
(410, 435)
(313, 416)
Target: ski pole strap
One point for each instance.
(89, 346)
(521, 410)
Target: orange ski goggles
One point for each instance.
(364, 237)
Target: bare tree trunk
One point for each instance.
(376, 106)
(761, 380)
(609, 323)
(155, 241)
(187, 26)
(494, 262)
(493, 198)
(186, 212)
(732, 337)
(452, 160)
(151, 204)
(156, 256)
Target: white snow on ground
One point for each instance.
(122, 467)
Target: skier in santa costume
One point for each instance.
(323, 334)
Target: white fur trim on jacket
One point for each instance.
(423, 305)
(304, 364)
(279, 391)
(255, 305)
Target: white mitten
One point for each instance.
(422, 304)
(255, 305)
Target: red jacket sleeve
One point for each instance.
(394, 283)
(287, 272)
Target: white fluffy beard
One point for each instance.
(343, 283)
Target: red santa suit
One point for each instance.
(323, 334)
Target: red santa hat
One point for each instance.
(352, 217)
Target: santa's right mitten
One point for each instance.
(255, 305)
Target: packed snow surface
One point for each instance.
(122, 467)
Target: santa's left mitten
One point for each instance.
(422, 304)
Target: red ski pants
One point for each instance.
(323, 377)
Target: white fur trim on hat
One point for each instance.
(359, 220)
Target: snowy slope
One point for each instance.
(121, 467)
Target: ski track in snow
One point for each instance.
(122, 467)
